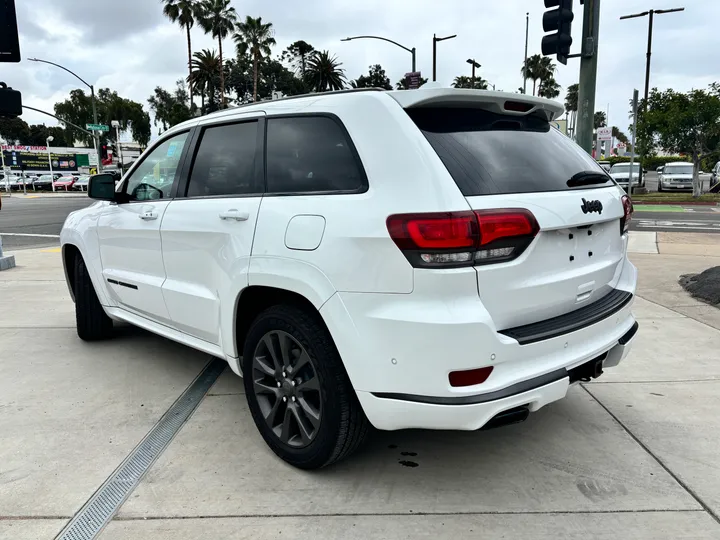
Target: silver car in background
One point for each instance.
(620, 172)
(675, 176)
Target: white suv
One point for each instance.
(438, 259)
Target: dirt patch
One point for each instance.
(704, 286)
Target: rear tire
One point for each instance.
(304, 385)
(92, 322)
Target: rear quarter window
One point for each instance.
(488, 153)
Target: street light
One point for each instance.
(52, 180)
(411, 51)
(651, 13)
(474, 65)
(435, 42)
(92, 97)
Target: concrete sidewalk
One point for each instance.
(633, 455)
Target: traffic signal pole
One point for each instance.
(588, 74)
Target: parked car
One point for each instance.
(620, 172)
(676, 176)
(45, 181)
(367, 257)
(82, 183)
(65, 182)
(605, 165)
(715, 174)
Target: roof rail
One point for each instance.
(288, 98)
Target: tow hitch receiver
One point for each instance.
(589, 370)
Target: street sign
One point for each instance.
(92, 159)
(604, 134)
(97, 127)
(413, 80)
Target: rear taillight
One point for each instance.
(627, 214)
(455, 239)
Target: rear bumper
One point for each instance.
(469, 413)
(399, 345)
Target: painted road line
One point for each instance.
(53, 250)
(668, 223)
(30, 235)
(658, 208)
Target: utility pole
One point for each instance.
(588, 74)
(651, 16)
(632, 154)
(527, 33)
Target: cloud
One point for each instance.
(131, 47)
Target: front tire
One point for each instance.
(297, 389)
(92, 322)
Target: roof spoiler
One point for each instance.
(498, 102)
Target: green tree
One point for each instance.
(538, 68)
(599, 119)
(205, 71)
(323, 73)
(15, 131)
(110, 106)
(218, 18)
(549, 88)
(170, 108)
(571, 98)
(297, 55)
(463, 81)
(376, 78)
(183, 12)
(687, 123)
(254, 37)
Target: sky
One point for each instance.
(131, 47)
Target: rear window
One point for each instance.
(678, 169)
(488, 153)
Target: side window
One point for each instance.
(225, 161)
(154, 177)
(310, 153)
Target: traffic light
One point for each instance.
(558, 20)
(103, 152)
(10, 102)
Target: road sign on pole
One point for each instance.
(97, 127)
(604, 134)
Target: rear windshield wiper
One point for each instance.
(587, 178)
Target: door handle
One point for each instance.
(150, 215)
(234, 214)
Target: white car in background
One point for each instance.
(620, 172)
(435, 258)
(676, 176)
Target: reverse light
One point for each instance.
(456, 239)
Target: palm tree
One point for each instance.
(463, 81)
(183, 12)
(571, 105)
(205, 67)
(218, 17)
(549, 88)
(255, 37)
(599, 119)
(538, 68)
(323, 72)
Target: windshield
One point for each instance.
(624, 168)
(46, 177)
(487, 153)
(678, 169)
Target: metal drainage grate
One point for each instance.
(103, 505)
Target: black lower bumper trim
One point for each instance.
(570, 322)
(517, 388)
(629, 334)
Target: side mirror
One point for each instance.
(644, 171)
(102, 187)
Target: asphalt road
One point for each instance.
(676, 218)
(41, 216)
